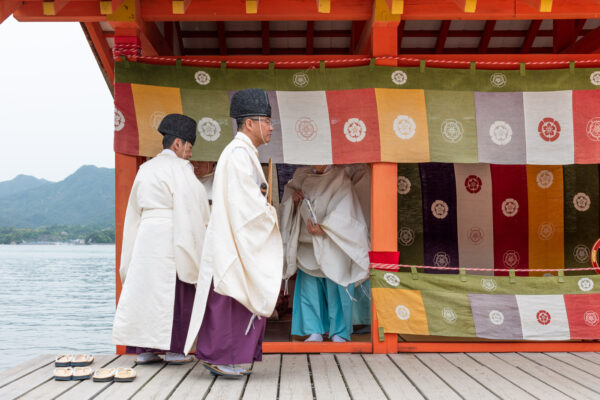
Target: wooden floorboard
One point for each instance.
(125, 390)
(164, 382)
(54, 388)
(295, 382)
(551, 378)
(327, 378)
(593, 357)
(463, 384)
(262, 384)
(579, 363)
(419, 376)
(361, 383)
(530, 384)
(575, 374)
(195, 385)
(88, 389)
(428, 383)
(393, 382)
(16, 372)
(498, 385)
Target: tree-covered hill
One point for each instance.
(84, 198)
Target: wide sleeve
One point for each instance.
(190, 218)
(346, 231)
(256, 279)
(290, 229)
(133, 215)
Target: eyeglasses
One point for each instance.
(265, 120)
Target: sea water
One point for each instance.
(55, 299)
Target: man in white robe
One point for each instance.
(165, 225)
(241, 267)
(330, 254)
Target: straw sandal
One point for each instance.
(82, 373)
(215, 370)
(63, 360)
(125, 374)
(104, 375)
(63, 373)
(82, 360)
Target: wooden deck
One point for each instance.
(445, 376)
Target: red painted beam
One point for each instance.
(102, 49)
(590, 43)
(266, 39)
(534, 27)
(400, 35)
(74, 11)
(7, 8)
(441, 42)
(486, 37)
(564, 34)
(310, 37)
(222, 38)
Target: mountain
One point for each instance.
(87, 197)
(19, 184)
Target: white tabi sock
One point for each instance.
(338, 339)
(315, 337)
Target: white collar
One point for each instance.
(244, 138)
(167, 152)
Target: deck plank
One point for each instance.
(426, 381)
(546, 375)
(327, 378)
(27, 382)
(18, 371)
(295, 380)
(520, 378)
(53, 388)
(392, 381)
(88, 389)
(125, 390)
(262, 383)
(361, 382)
(165, 382)
(575, 374)
(491, 380)
(226, 389)
(574, 361)
(593, 357)
(195, 385)
(463, 384)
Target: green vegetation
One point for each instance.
(82, 234)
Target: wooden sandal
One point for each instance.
(63, 360)
(104, 375)
(63, 373)
(82, 373)
(125, 374)
(82, 360)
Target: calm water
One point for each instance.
(55, 299)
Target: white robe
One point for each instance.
(165, 225)
(342, 254)
(243, 253)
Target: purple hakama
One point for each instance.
(182, 313)
(222, 339)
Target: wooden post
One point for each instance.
(125, 170)
(384, 209)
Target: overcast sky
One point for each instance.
(56, 112)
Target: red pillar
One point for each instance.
(384, 209)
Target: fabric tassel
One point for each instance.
(349, 295)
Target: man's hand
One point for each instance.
(314, 229)
(297, 196)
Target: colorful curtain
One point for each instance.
(503, 308)
(499, 217)
(373, 113)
